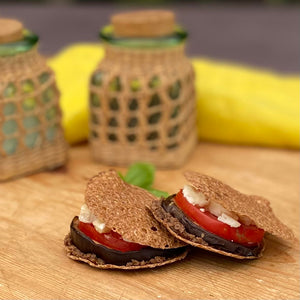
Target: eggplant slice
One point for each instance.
(81, 247)
(182, 227)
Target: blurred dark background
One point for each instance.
(260, 33)
(159, 1)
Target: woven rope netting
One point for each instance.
(31, 137)
(142, 107)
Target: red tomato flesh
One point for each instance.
(110, 239)
(248, 235)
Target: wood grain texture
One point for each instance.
(36, 212)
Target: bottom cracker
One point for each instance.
(177, 230)
(74, 253)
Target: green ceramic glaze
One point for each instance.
(9, 91)
(44, 77)
(48, 95)
(31, 139)
(97, 78)
(115, 85)
(9, 127)
(27, 43)
(51, 133)
(133, 104)
(10, 146)
(95, 101)
(135, 85)
(114, 104)
(174, 90)
(113, 122)
(27, 86)
(9, 109)
(179, 35)
(29, 104)
(155, 100)
(154, 82)
(51, 113)
(31, 122)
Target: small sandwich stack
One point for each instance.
(116, 231)
(211, 215)
(122, 226)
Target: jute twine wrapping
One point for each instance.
(161, 127)
(32, 115)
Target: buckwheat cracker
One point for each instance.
(255, 207)
(96, 262)
(178, 230)
(122, 207)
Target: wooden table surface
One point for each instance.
(36, 212)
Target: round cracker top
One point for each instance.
(255, 207)
(122, 207)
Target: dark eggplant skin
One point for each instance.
(115, 257)
(211, 239)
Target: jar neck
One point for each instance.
(135, 56)
(28, 42)
(178, 37)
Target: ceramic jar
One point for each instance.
(31, 136)
(142, 97)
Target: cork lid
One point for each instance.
(10, 30)
(145, 23)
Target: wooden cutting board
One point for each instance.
(36, 212)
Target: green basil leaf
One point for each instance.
(140, 174)
(157, 193)
(121, 175)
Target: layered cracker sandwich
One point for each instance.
(115, 230)
(211, 215)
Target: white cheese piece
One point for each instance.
(100, 226)
(193, 196)
(217, 210)
(86, 216)
(228, 220)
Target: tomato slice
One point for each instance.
(110, 239)
(248, 235)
